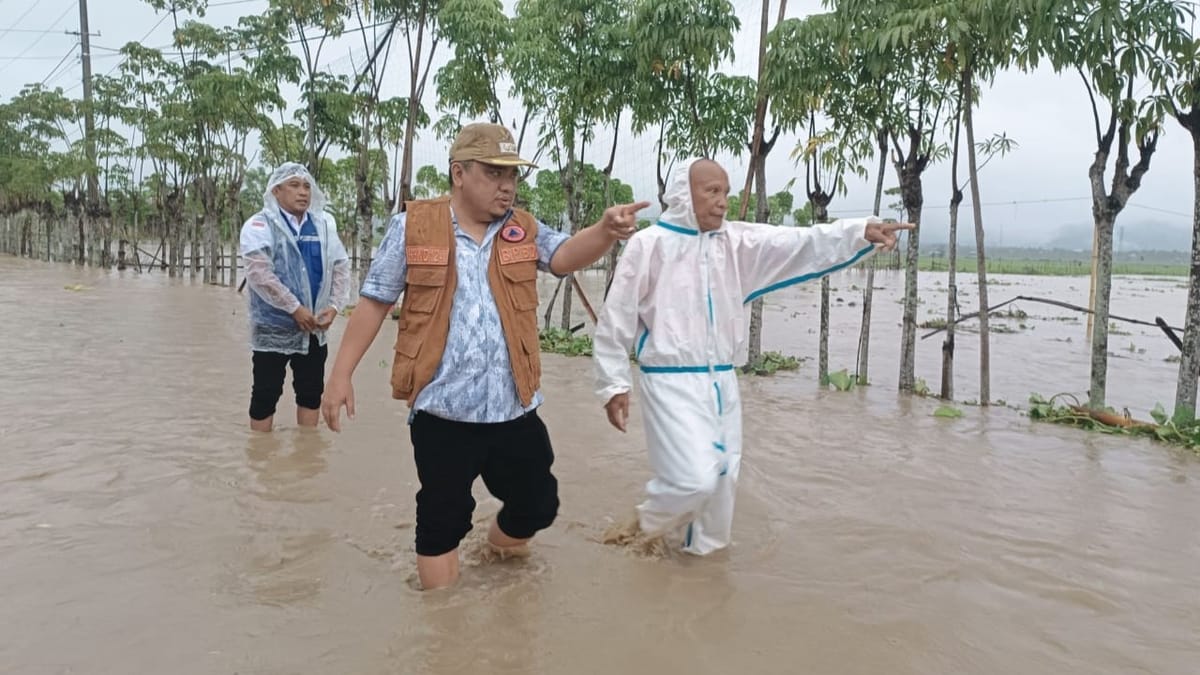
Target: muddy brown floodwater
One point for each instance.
(143, 529)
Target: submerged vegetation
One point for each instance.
(1182, 429)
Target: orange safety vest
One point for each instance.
(429, 292)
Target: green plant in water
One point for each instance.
(768, 363)
(948, 412)
(921, 388)
(559, 341)
(1182, 429)
(841, 380)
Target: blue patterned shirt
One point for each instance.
(474, 381)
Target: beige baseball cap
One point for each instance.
(488, 144)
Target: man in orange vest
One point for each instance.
(467, 356)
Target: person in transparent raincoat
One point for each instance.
(298, 273)
(679, 301)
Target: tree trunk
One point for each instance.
(759, 148)
(194, 247)
(565, 322)
(947, 391)
(574, 215)
(550, 305)
(234, 207)
(823, 350)
(911, 189)
(761, 214)
(615, 252)
(106, 228)
(1189, 360)
(864, 335)
(956, 197)
(212, 270)
(170, 249)
(1099, 373)
(365, 214)
(985, 372)
(81, 253)
(821, 215)
(27, 236)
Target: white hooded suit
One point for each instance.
(680, 301)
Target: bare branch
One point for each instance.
(1095, 108)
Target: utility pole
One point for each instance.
(92, 206)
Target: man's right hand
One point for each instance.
(305, 319)
(618, 410)
(338, 392)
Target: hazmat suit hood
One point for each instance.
(286, 171)
(678, 196)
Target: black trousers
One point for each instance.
(308, 379)
(514, 459)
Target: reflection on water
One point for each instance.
(144, 528)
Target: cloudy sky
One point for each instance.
(1036, 196)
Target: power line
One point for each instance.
(22, 56)
(31, 30)
(242, 53)
(19, 19)
(60, 64)
(1158, 210)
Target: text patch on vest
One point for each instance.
(516, 254)
(428, 255)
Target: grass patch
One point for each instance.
(1055, 268)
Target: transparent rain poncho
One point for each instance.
(275, 269)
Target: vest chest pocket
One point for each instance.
(521, 281)
(423, 287)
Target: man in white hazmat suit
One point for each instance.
(299, 278)
(679, 301)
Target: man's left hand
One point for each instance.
(326, 317)
(620, 221)
(885, 233)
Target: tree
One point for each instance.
(678, 45)
(566, 59)
(814, 72)
(915, 98)
(479, 31)
(420, 21)
(1114, 46)
(431, 183)
(779, 206)
(834, 165)
(1184, 103)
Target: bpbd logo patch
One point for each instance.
(512, 233)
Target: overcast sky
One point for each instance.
(1038, 195)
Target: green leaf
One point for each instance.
(948, 412)
(841, 380)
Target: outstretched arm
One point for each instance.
(773, 257)
(591, 243)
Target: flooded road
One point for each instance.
(144, 529)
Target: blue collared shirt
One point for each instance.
(474, 381)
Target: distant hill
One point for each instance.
(1146, 236)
